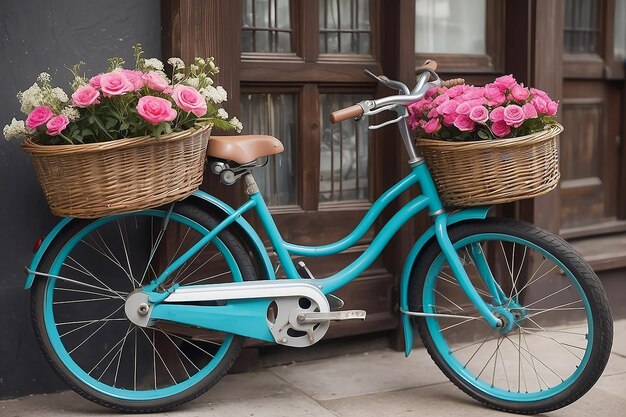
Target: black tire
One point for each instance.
(454, 357)
(192, 347)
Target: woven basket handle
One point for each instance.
(453, 82)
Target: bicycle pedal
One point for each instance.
(304, 318)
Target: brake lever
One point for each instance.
(394, 85)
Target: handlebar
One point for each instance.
(425, 73)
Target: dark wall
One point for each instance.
(36, 36)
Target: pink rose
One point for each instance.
(497, 114)
(85, 96)
(479, 114)
(439, 100)
(519, 92)
(189, 99)
(514, 115)
(95, 81)
(494, 94)
(500, 129)
(473, 93)
(455, 91)
(432, 113)
(134, 77)
(56, 125)
(448, 107)
(464, 108)
(449, 119)
(38, 116)
(464, 123)
(433, 125)
(539, 93)
(529, 111)
(551, 108)
(431, 92)
(154, 81)
(540, 105)
(155, 109)
(115, 84)
(505, 82)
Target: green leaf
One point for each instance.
(483, 135)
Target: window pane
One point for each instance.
(619, 37)
(343, 153)
(581, 26)
(450, 26)
(344, 26)
(266, 26)
(274, 114)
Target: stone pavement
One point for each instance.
(376, 383)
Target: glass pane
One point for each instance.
(619, 37)
(343, 153)
(266, 26)
(274, 114)
(450, 26)
(582, 29)
(344, 26)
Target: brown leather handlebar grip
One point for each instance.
(430, 64)
(453, 82)
(347, 113)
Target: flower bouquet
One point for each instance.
(123, 140)
(488, 145)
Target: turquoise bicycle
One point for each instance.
(144, 311)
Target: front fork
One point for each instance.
(493, 314)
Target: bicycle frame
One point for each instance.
(429, 199)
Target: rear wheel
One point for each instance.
(79, 319)
(560, 330)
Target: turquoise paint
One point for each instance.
(68, 361)
(474, 213)
(275, 238)
(368, 220)
(247, 228)
(34, 263)
(199, 245)
(349, 273)
(441, 232)
(243, 317)
(465, 373)
(428, 187)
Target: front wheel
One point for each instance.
(561, 333)
(78, 312)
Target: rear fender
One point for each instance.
(208, 202)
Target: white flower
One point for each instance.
(16, 129)
(192, 82)
(222, 114)
(236, 124)
(154, 64)
(223, 94)
(194, 67)
(163, 75)
(71, 113)
(60, 95)
(30, 98)
(212, 94)
(176, 62)
(201, 61)
(179, 76)
(44, 77)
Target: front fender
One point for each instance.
(475, 213)
(261, 254)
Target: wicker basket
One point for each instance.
(98, 179)
(491, 172)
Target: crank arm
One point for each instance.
(331, 316)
